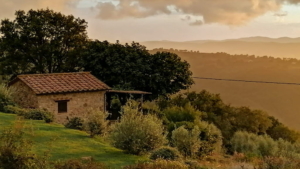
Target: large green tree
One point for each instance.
(41, 41)
(131, 66)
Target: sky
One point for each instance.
(174, 20)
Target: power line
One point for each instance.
(246, 81)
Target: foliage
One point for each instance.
(251, 144)
(137, 133)
(5, 97)
(115, 107)
(159, 164)
(202, 101)
(151, 108)
(199, 141)
(179, 114)
(187, 142)
(211, 139)
(34, 114)
(132, 66)
(79, 164)
(279, 130)
(96, 123)
(15, 149)
(38, 114)
(166, 153)
(41, 41)
(254, 121)
(15, 110)
(75, 123)
(227, 118)
(48, 116)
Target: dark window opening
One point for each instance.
(62, 106)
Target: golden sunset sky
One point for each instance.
(174, 20)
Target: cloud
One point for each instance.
(8, 7)
(197, 23)
(186, 18)
(281, 14)
(233, 12)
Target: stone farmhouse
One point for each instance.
(65, 94)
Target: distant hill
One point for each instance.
(260, 46)
(281, 101)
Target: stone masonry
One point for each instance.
(79, 104)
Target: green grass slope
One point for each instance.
(66, 143)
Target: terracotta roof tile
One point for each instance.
(62, 82)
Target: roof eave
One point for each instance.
(67, 92)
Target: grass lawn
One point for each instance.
(66, 143)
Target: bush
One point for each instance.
(251, 144)
(187, 142)
(210, 137)
(96, 123)
(137, 133)
(15, 149)
(15, 110)
(38, 114)
(5, 97)
(79, 164)
(159, 164)
(179, 114)
(48, 116)
(279, 130)
(75, 123)
(34, 114)
(166, 153)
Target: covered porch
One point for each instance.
(123, 96)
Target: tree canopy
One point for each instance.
(41, 41)
(133, 67)
(44, 41)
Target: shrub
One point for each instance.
(5, 97)
(79, 164)
(48, 116)
(96, 123)
(251, 144)
(179, 114)
(159, 164)
(137, 133)
(38, 114)
(15, 110)
(166, 153)
(187, 142)
(34, 114)
(279, 130)
(15, 149)
(210, 137)
(75, 123)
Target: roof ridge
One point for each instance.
(48, 74)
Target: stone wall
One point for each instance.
(79, 104)
(24, 95)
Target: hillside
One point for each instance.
(280, 101)
(259, 46)
(66, 143)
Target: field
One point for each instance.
(280, 101)
(66, 143)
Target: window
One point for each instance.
(62, 106)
